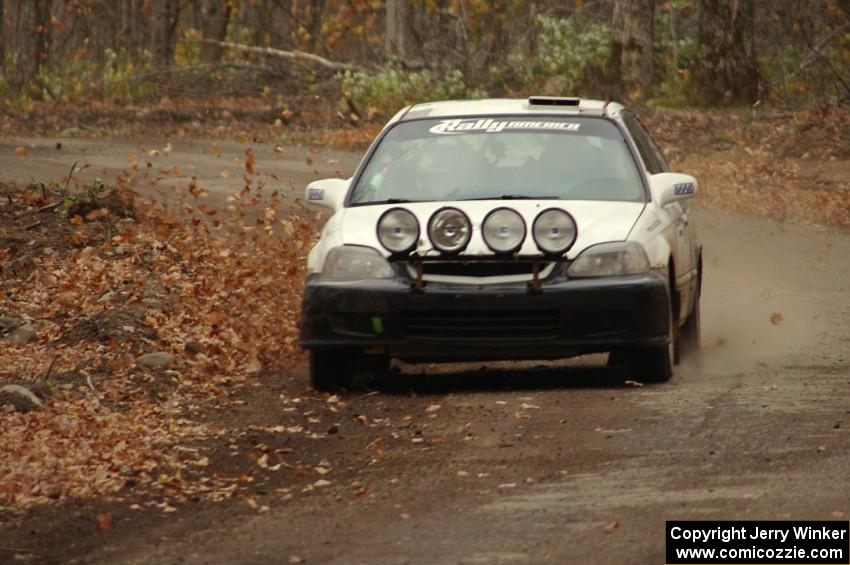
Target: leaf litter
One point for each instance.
(136, 278)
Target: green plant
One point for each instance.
(119, 77)
(677, 55)
(394, 88)
(88, 198)
(565, 50)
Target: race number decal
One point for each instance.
(684, 188)
(316, 194)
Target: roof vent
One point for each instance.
(553, 101)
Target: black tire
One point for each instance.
(377, 366)
(652, 364)
(655, 364)
(618, 359)
(332, 369)
(690, 336)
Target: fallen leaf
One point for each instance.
(609, 529)
(776, 318)
(104, 521)
(21, 151)
(376, 448)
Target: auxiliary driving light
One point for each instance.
(398, 230)
(449, 230)
(503, 230)
(554, 231)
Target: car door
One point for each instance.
(683, 234)
(687, 233)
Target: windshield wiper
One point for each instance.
(390, 201)
(513, 197)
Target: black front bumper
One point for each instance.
(453, 322)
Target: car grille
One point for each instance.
(459, 325)
(480, 272)
(481, 269)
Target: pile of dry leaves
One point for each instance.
(137, 316)
(783, 165)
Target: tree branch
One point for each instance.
(293, 55)
(814, 52)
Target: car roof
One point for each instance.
(535, 105)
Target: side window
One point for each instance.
(644, 144)
(659, 156)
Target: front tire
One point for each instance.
(690, 334)
(655, 364)
(652, 364)
(332, 369)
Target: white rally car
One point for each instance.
(504, 229)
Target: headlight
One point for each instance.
(611, 259)
(353, 262)
(449, 230)
(398, 230)
(503, 230)
(554, 231)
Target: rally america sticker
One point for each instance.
(489, 125)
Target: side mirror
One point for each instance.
(328, 193)
(670, 187)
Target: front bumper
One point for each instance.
(451, 322)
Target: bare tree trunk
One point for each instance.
(2, 35)
(630, 59)
(35, 41)
(165, 26)
(215, 19)
(399, 40)
(726, 71)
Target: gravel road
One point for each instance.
(557, 463)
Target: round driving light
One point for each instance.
(503, 230)
(449, 230)
(398, 230)
(554, 231)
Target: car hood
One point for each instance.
(597, 222)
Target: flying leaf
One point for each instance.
(249, 161)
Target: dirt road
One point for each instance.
(560, 464)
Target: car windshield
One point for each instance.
(539, 157)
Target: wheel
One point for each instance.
(332, 369)
(690, 335)
(618, 359)
(655, 364)
(377, 366)
(652, 364)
